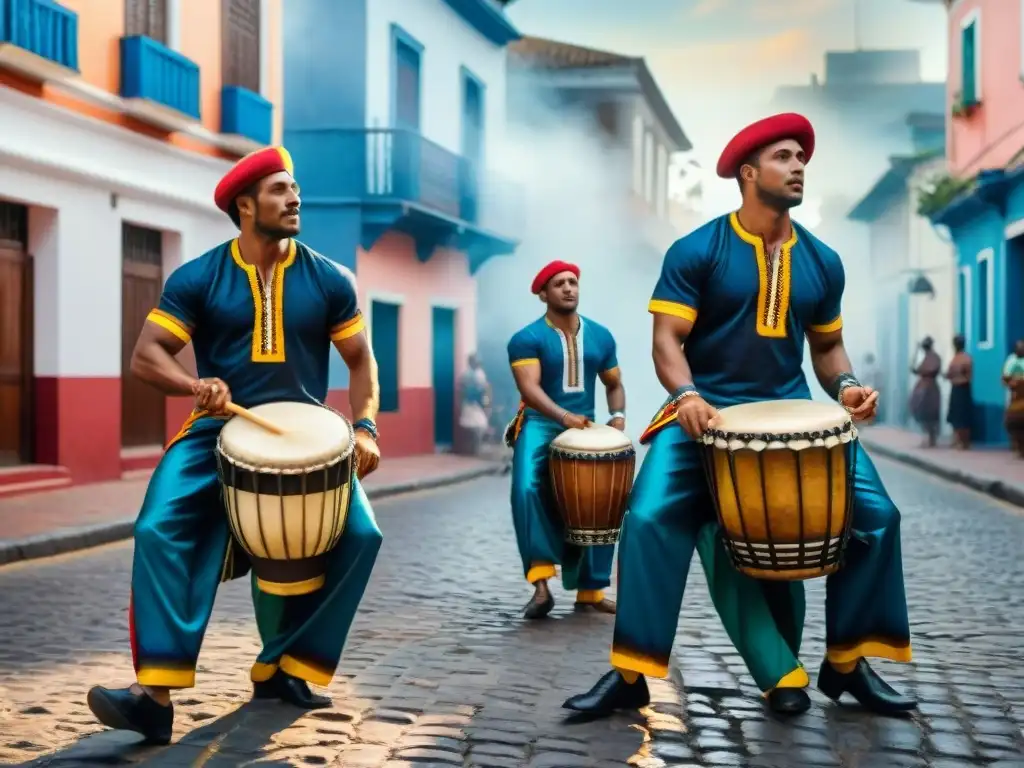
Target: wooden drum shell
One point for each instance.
(785, 514)
(591, 491)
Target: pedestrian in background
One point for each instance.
(926, 400)
(1013, 380)
(961, 402)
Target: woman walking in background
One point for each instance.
(1013, 379)
(961, 403)
(925, 400)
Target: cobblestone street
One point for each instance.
(440, 670)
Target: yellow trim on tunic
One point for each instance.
(349, 328)
(874, 648)
(292, 588)
(196, 415)
(170, 323)
(772, 295)
(261, 672)
(260, 351)
(832, 327)
(674, 308)
(589, 596)
(166, 677)
(526, 361)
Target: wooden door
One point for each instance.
(444, 375)
(142, 406)
(146, 17)
(16, 337)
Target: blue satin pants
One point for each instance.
(184, 549)
(540, 533)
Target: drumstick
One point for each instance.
(250, 416)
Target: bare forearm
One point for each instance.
(670, 364)
(829, 362)
(616, 395)
(364, 389)
(536, 398)
(156, 366)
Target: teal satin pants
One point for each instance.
(184, 549)
(671, 513)
(540, 533)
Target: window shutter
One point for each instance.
(969, 94)
(240, 44)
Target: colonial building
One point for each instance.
(914, 268)
(119, 117)
(394, 115)
(593, 140)
(981, 200)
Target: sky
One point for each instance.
(716, 61)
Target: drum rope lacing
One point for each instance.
(780, 437)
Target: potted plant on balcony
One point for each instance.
(939, 191)
(960, 109)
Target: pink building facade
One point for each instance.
(985, 87)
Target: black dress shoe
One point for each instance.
(124, 710)
(538, 609)
(865, 685)
(612, 692)
(789, 701)
(290, 690)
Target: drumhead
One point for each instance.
(799, 422)
(313, 436)
(597, 438)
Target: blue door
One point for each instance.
(384, 336)
(444, 376)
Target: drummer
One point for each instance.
(251, 347)
(735, 301)
(556, 361)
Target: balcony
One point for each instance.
(160, 85)
(38, 39)
(407, 183)
(246, 118)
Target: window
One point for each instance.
(240, 44)
(406, 80)
(970, 59)
(964, 303)
(146, 17)
(384, 338)
(985, 289)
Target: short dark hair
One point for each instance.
(959, 342)
(251, 191)
(754, 159)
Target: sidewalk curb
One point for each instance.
(73, 539)
(1011, 493)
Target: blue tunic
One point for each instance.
(569, 364)
(237, 324)
(269, 343)
(749, 321)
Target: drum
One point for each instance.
(781, 475)
(288, 496)
(591, 476)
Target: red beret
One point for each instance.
(552, 269)
(250, 169)
(788, 125)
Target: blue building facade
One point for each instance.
(987, 225)
(393, 113)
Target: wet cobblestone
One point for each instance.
(440, 670)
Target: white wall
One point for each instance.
(67, 168)
(653, 140)
(449, 44)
